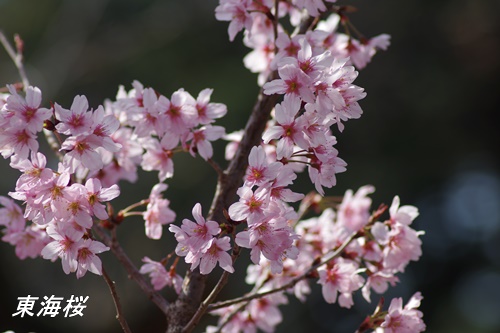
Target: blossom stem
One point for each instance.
(116, 300)
(125, 211)
(132, 214)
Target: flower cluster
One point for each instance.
(61, 209)
(160, 127)
(255, 18)
(403, 319)
(97, 149)
(197, 242)
(376, 252)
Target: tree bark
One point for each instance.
(183, 309)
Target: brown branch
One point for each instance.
(132, 271)
(288, 285)
(116, 300)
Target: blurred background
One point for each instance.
(428, 134)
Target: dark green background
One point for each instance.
(428, 133)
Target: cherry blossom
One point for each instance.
(160, 277)
(293, 83)
(29, 241)
(405, 319)
(86, 258)
(158, 212)
(201, 232)
(259, 171)
(212, 252)
(64, 246)
(341, 279)
(97, 194)
(26, 113)
(208, 112)
(251, 205)
(75, 121)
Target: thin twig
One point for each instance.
(204, 305)
(133, 272)
(288, 285)
(202, 309)
(133, 206)
(17, 58)
(116, 300)
(230, 316)
(217, 168)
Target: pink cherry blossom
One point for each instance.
(201, 232)
(75, 121)
(405, 319)
(403, 214)
(212, 252)
(76, 206)
(26, 112)
(11, 215)
(208, 112)
(272, 238)
(251, 205)
(180, 112)
(64, 246)
(103, 126)
(362, 52)
(200, 140)
(15, 141)
(97, 194)
(87, 259)
(314, 66)
(293, 83)
(81, 152)
(378, 281)
(287, 129)
(158, 156)
(158, 213)
(28, 241)
(354, 211)
(341, 279)
(160, 277)
(236, 12)
(259, 171)
(34, 172)
(323, 174)
(314, 7)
